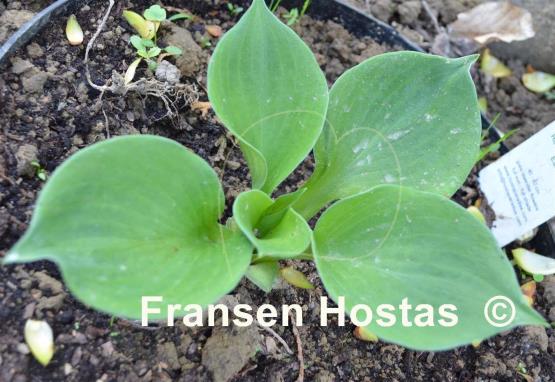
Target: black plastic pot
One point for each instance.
(34, 26)
(356, 22)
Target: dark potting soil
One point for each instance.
(48, 111)
(517, 107)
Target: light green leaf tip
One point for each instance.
(295, 278)
(392, 243)
(288, 237)
(266, 87)
(263, 275)
(136, 216)
(405, 118)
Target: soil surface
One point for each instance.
(49, 111)
(517, 106)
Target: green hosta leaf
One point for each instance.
(392, 243)
(136, 216)
(263, 275)
(288, 238)
(147, 43)
(173, 50)
(267, 88)
(137, 42)
(152, 65)
(275, 213)
(143, 53)
(405, 118)
(155, 13)
(180, 16)
(153, 52)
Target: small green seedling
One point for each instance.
(294, 15)
(393, 139)
(495, 146)
(521, 369)
(145, 42)
(234, 10)
(274, 5)
(205, 42)
(291, 16)
(40, 172)
(538, 278)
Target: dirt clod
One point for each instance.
(490, 366)
(167, 353)
(34, 50)
(50, 303)
(409, 11)
(20, 66)
(548, 285)
(11, 20)
(228, 350)
(537, 336)
(167, 72)
(33, 80)
(25, 155)
(47, 282)
(382, 9)
(190, 61)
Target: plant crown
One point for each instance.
(393, 139)
(145, 42)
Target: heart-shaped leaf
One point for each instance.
(138, 42)
(143, 53)
(136, 216)
(392, 243)
(405, 118)
(267, 88)
(287, 238)
(155, 13)
(147, 43)
(173, 50)
(153, 52)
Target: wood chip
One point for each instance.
(214, 30)
(203, 107)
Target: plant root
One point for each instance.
(277, 337)
(300, 356)
(169, 94)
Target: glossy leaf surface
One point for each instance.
(266, 87)
(136, 216)
(263, 275)
(392, 243)
(288, 237)
(404, 118)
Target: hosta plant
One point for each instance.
(393, 139)
(145, 43)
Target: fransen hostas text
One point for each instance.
(385, 315)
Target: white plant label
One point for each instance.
(520, 186)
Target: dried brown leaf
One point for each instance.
(494, 21)
(214, 30)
